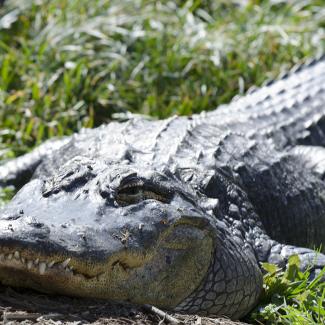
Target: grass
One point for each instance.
(68, 64)
(290, 297)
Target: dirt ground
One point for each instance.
(25, 307)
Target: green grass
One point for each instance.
(67, 64)
(290, 297)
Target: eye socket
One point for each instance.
(139, 190)
(130, 190)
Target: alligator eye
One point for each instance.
(140, 190)
(130, 190)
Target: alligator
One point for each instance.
(178, 213)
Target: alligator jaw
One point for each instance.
(35, 264)
(118, 276)
(16, 260)
(22, 268)
(30, 268)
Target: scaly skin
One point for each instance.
(176, 213)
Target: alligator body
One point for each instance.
(177, 213)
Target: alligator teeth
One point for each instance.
(42, 268)
(66, 262)
(29, 265)
(17, 255)
(100, 277)
(80, 276)
(68, 271)
(51, 264)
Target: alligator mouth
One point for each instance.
(18, 261)
(62, 266)
(124, 274)
(60, 274)
(25, 267)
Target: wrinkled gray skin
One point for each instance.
(247, 176)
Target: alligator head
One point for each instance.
(107, 230)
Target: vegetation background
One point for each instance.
(68, 64)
